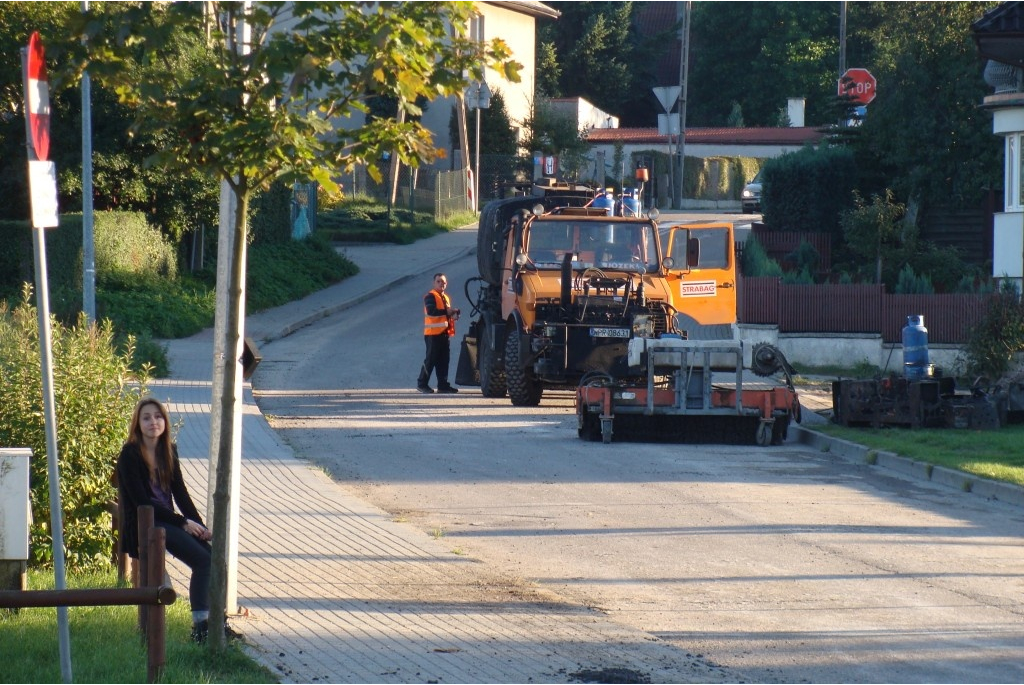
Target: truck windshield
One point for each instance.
(604, 244)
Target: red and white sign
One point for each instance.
(37, 98)
(550, 166)
(697, 289)
(858, 85)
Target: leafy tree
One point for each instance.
(600, 57)
(249, 117)
(554, 133)
(868, 228)
(548, 70)
(925, 131)
(176, 203)
(759, 53)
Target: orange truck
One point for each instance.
(573, 297)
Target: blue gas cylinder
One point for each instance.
(606, 201)
(915, 347)
(630, 205)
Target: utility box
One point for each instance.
(15, 515)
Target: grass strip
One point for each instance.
(106, 646)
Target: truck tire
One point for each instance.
(523, 389)
(492, 381)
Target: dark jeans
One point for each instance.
(438, 353)
(195, 554)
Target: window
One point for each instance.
(1014, 199)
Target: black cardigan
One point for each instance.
(134, 491)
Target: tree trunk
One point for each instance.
(222, 491)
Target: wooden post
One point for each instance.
(156, 651)
(145, 523)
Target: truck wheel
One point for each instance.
(492, 381)
(764, 433)
(523, 389)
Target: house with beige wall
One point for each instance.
(516, 24)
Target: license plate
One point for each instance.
(609, 332)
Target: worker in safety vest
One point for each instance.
(439, 319)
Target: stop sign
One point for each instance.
(858, 85)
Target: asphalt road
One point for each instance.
(776, 563)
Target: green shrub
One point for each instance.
(94, 394)
(805, 257)
(156, 307)
(808, 190)
(124, 243)
(998, 336)
(278, 273)
(910, 283)
(756, 261)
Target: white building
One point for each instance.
(999, 40)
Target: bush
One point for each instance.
(362, 219)
(94, 394)
(910, 283)
(124, 245)
(278, 273)
(998, 336)
(808, 190)
(153, 307)
(756, 261)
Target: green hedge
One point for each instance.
(808, 190)
(704, 178)
(125, 245)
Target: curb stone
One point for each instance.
(941, 475)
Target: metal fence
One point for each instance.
(856, 308)
(436, 192)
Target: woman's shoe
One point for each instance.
(200, 631)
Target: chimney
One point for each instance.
(796, 112)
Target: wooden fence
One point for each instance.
(837, 308)
(779, 245)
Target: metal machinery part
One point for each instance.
(679, 400)
(925, 403)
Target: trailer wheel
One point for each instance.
(606, 430)
(523, 389)
(780, 431)
(588, 425)
(764, 433)
(492, 381)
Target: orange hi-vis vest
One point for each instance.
(437, 325)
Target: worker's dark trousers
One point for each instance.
(436, 361)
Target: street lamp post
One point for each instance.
(482, 100)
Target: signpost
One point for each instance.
(858, 85)
(668, 96)
(43, 187)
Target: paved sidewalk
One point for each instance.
(325, 576)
